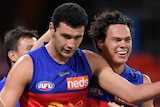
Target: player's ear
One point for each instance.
(99, 44)
(51, 27)
(12, 56)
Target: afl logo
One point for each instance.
(45, 86)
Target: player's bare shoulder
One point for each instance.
(95, 61)
(24, 61)
(146, 79)
(23, 67)
(92, 56)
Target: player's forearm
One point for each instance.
(44, 38)
(144, 93)
(2, 104)
(134, 94)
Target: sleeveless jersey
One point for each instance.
(2, 82)
(57, 85)
(99, 98)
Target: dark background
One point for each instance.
(35, 14)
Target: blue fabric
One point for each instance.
(97, 93)
(55, 82)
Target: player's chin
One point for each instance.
(68, 55)
(122, 61)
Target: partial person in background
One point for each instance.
(4, 68)
(17, 42)
(59, 73)
(112, 34)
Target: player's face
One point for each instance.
(25, 45)
(118, 44)
(67, 39)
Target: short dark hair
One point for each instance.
(71, 14)
(12, 38)
(102, 22)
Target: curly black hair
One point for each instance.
(102, 21)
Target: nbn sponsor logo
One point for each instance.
(45, 85)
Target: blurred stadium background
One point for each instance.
(35, 14)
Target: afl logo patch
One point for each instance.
(45, 86)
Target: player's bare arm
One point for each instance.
(128, 90)
(20, 75)
(146, 80)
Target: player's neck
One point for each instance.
(55, 55)
(118, 68)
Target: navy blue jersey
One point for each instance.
(55, 84)
(99, 98)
